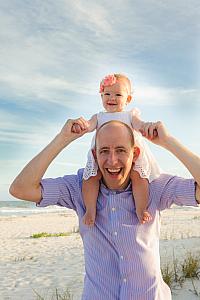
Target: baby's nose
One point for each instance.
(112, 97)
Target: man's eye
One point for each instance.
(103, 151)
(121, 150)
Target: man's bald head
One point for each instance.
(116, 125)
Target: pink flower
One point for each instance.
(107, 81)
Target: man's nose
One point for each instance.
(112, 158)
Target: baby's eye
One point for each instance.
(118, 95)
(107, 94)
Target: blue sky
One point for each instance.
(54, 53)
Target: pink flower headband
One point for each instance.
(107, 81)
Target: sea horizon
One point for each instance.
(23, 208)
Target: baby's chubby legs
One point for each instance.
(90, 190)
(140, 190)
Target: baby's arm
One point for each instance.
(147, 129)
(84, 125)
(92, 123)
(136, 122)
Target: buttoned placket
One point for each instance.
(115, 226)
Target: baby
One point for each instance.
(115, 92)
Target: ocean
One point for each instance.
(24, 208)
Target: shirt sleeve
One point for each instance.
(176, 190)
(61, 191)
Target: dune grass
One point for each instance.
(45, 234)
(66, 295)
(174, 274)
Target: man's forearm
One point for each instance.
(188, 158)
(26, 186)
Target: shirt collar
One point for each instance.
(104, 189)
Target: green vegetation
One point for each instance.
(168, 275)
(45, 234)
(66, 295)
(191, 266)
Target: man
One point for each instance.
(121, 256)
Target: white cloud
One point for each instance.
(161, 96)
(92, 16)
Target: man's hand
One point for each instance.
(74, 129)
(156, 132)
(80, 125)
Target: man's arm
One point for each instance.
(162, 138)
(26, 185)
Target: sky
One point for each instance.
(53, 55)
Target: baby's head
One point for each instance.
(115, 92)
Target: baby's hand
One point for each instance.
(80, 125)
(149, 130)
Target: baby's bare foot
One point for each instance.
(144, 217)
(89, 218)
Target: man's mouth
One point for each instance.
(115, 171)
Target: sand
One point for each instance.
(29, 266)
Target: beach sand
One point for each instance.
(29, 266)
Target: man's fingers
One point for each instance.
(76, 128)
(83, 124)
(149, 130)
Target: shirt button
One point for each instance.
(115, 232)
(113, 209)
(121, 257)
(124, 280)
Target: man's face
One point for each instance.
(115, 155)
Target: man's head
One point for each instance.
(115, 153)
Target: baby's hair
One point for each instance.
(126, 79)
(112, 78)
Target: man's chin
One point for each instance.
(115, 184)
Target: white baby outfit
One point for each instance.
(145, 164)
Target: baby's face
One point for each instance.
(115, 97)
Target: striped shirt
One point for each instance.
(122, 260)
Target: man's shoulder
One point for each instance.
(163, 178)
(161, 182)
(75, 179)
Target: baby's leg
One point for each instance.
(140, 190)
(90, 190)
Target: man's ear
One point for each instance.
(136, 153)
(94, 154)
